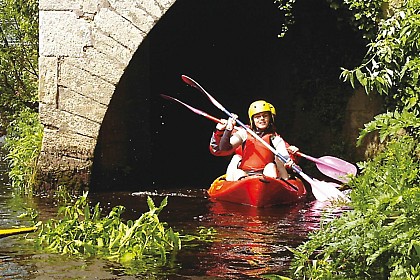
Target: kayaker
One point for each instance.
(250, 155)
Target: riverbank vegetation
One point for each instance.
(18, 87)
(84, 231)
(380, 237)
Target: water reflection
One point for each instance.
(253, 241)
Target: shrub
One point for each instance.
(380, 237)
(23, 143)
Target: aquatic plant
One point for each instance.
(84, 232)
(139, 245)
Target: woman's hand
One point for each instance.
(293, 149)
(227, 124)
(288, 164)
(222, 124)
(231, 122)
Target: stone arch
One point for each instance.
(84, 49)
(82, 70)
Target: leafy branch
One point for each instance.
(392, 64)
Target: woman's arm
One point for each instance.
(225, 138)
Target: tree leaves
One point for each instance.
(392, 64)
(18, 56)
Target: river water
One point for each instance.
(249, 242)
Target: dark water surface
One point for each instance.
(249, 242)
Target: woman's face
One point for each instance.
(261, 120)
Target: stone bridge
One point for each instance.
(98, 83)
(84, 48)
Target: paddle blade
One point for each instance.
(336, 168)
(324, 191)
(191, 82)
(199, 112)
(186, 105)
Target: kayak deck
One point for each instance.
(258, 191)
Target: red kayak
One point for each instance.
(258, 191)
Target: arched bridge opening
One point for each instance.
(232, 48)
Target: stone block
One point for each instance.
(78, 6)
(111, 23)
(110, 47)
(151, 7)
(60, 5)
(90, 6)
(99, 64)
(48, 80)
(166, 4)
(66, 143)
(143, 14)
(62, 33)
(67, 122)
(80, 105)
(85, 83)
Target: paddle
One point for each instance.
(321, 190)
(333, 167)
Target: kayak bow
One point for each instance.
(258, 191)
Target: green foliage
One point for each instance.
(286, 7)
(138, 245)
(275, 277)
(84, 232)
(363, 15)
(392, 124)
(392, 63)
(18, 56)
(18, 89)
(380, 237)
(23, 143)
(203, 234)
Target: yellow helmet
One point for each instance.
(272, 110)
(260, 106)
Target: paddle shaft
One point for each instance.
(13, 231)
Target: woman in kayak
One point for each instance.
(251, 156)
